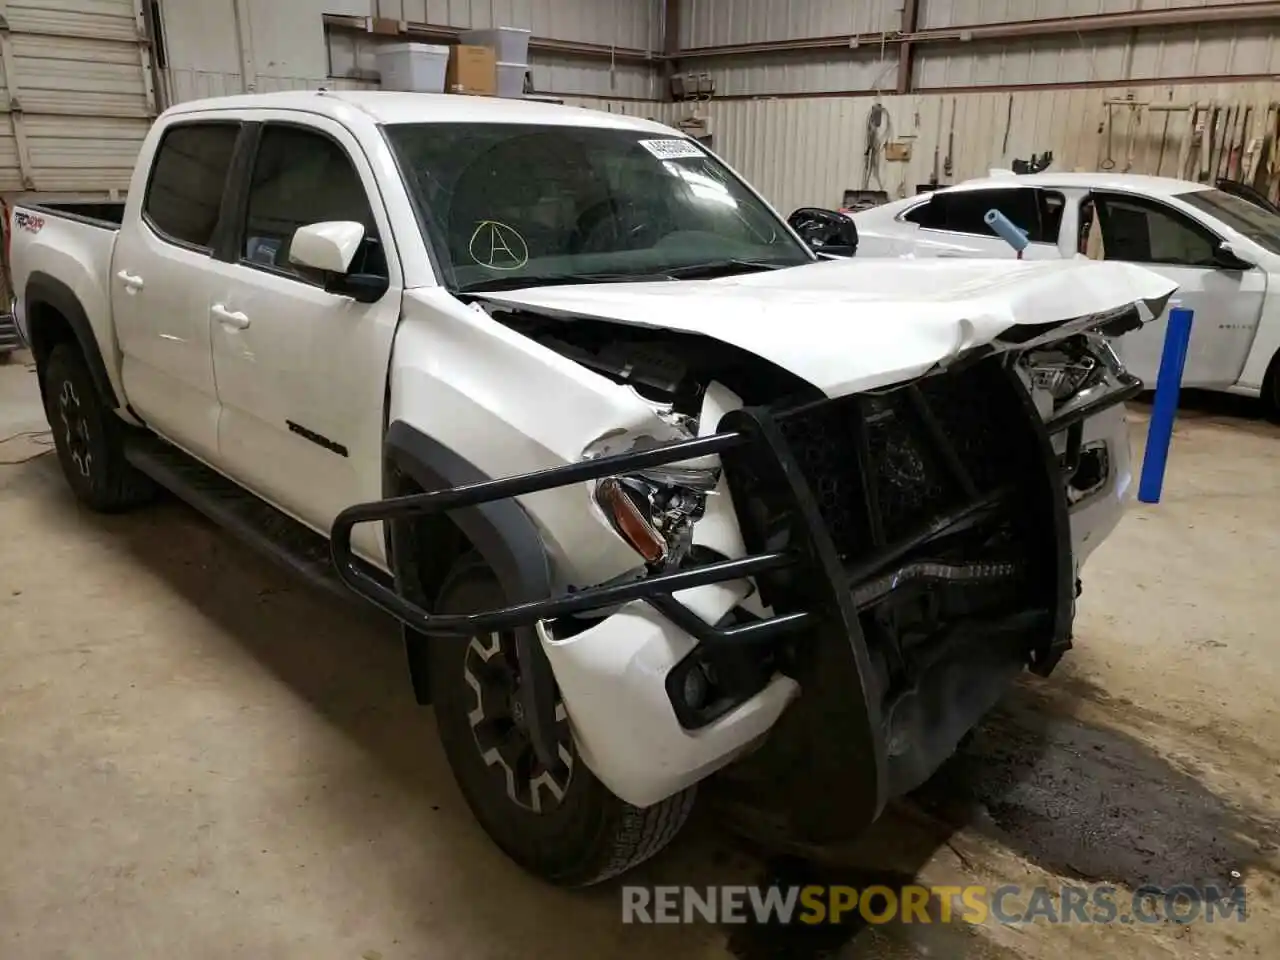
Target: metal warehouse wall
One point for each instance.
(808, 151)
(212, 46)
(78, 95)
(1183, 52)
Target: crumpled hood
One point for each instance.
(850, 325)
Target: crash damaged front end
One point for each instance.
(832, 590)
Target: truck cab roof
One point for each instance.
(385, 107)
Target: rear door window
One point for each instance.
(184, 195)
(1038, 212)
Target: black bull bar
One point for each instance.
(830, 588)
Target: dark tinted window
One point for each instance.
(1144, 231)
(187, 180)
(1259, 224)
(1052, 206)
(302, 177)
(1039, 212)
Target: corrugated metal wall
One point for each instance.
(709, 23)
(809, 151)
(78, 95)
(1213, 50)
(950, 13)
(283, 43)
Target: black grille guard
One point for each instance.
(832, 592)
(739, 428)
(654, 586)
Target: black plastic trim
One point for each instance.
(1131, 388)
(45, 289)
(235, 194)
(53, 210)
(500, 530)
(510, 544)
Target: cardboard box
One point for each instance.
(472, 70)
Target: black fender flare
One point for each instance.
(500, 531)
(508, 540)
(50, 291)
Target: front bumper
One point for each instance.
(620, 676)
(1095, 515)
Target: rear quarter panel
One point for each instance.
(76, 254)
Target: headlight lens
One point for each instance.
(628, 505)
(1070, 373)
(654, 510)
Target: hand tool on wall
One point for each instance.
(1131, 132)
(1008, 125)
(1227, 128)
(1189, 152)
(1265, 160)
(1207, 143)
(1273, 178)
(1108, 161)
(1236, 149)
(948, 165)
(1164, 136)
(1259, 148)
(1241, 159)
(937, 149)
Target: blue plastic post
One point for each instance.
(1165, 408)
(1007, 231)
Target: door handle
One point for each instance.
(131, 281)
(229, 318)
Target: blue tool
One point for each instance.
(1164, 410)
(1004, 227)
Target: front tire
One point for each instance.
(88, 437)
(564, 827)
(1271, 391)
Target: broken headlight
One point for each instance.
(654, 510)
(1070, 373)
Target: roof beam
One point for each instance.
(1055, 26)
(434, 33)
(906, 49)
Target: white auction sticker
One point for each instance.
(672, 149)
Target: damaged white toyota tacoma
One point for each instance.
(655, 492)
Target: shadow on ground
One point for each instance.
(1080, 801)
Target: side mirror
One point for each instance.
(826, 232)
(328, 247)
(1229, 257)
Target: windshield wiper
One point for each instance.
(548, 280)
(724, 268)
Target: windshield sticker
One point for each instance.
(673, 149)
(497, 246)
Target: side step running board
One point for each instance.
(297, 548)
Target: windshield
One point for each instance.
(1257, 223)
(506, 204)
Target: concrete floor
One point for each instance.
(201, 758)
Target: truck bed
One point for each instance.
(100, 213)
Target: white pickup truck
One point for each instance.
(654, 491)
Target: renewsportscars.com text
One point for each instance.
(1009, 904)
